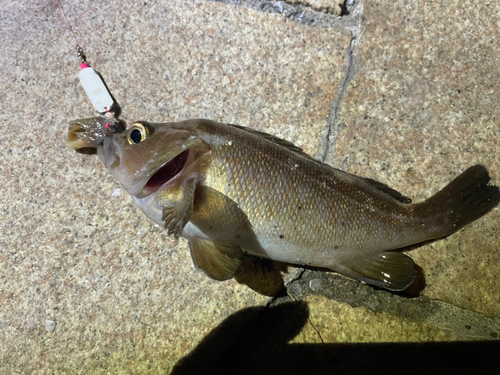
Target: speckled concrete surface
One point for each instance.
(124, 298)
(77, 252)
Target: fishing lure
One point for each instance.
(94, 86)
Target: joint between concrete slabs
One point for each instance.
(330, 140)
(350, 69)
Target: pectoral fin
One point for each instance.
(218, 259)
(390, 270)
(177, 215)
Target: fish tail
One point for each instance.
(465, 199)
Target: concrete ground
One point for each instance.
(404, 92)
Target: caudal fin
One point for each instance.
(465, 199)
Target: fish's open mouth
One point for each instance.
(165, 173)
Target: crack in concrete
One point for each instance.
(308, 320)
(330, 140)
(325, 9)
(352, 65)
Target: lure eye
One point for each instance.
(137, 133)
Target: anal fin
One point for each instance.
(218, 259)
(391, 270)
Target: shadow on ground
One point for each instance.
(255, 341)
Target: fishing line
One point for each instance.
(71, 33)
(93, 84)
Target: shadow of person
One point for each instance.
(239, 337)
(255, 341)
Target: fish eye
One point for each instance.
(137, 133)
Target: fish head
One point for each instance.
(142, 158)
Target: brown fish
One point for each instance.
(231, 191)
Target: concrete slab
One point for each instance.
(74, 250)
(419, 111)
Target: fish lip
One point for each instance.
(166, 174)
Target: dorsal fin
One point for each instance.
(379, 186)
(279, 141)
(283, 143)
(290, 146)
(387, 190)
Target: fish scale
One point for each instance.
(322, 208)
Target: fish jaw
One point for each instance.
(167, 174)
(145, 167)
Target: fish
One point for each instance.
(233, 192)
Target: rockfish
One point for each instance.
(232, 191)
